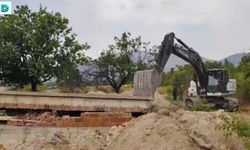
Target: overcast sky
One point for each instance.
(214, 28)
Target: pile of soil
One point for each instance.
(173, 128)
(179, 130)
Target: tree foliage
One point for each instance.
(119, 62)
(181, 75)
(36, 46)
(70, 78)
(244, 66)
(243, 78)
(213, 64)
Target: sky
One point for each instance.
(214, 28)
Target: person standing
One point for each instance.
(174, 94)
(181, 92)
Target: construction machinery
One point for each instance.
(212, 86)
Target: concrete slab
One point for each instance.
(73, 102)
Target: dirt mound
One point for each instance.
(172, 128)
(201, 128)
(182, 130)
(151, 132)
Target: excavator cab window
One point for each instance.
(213, 81)
(217, 80)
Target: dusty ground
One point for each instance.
(243, 112)
(19, 138)
(4, 88)
(165, 128)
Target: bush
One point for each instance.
(243, 90)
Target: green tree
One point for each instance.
(243, 78)
(213, 64)
(182, 75)
(119, 62)
(70, 78)
(36, 46)
(244, 66)
(230, 68)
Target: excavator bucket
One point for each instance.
(146, 82)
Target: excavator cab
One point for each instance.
(217, 81)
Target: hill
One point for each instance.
(235, 58)
(174, 60)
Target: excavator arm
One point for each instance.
(146, 82)
(181, 50)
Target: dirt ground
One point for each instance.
(243, 112)
(4, 88)
(166, 127)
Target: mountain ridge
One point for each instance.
(234, 58)
(174, 61)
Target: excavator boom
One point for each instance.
(168, 47)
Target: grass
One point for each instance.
(126, 87)
(105, 89)
(238, 126)
(177, 103)
(242, 129)
(202, 106)
(246, 143)
(26, 88)
(65, 89)
(108, 89)
(166, 91)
